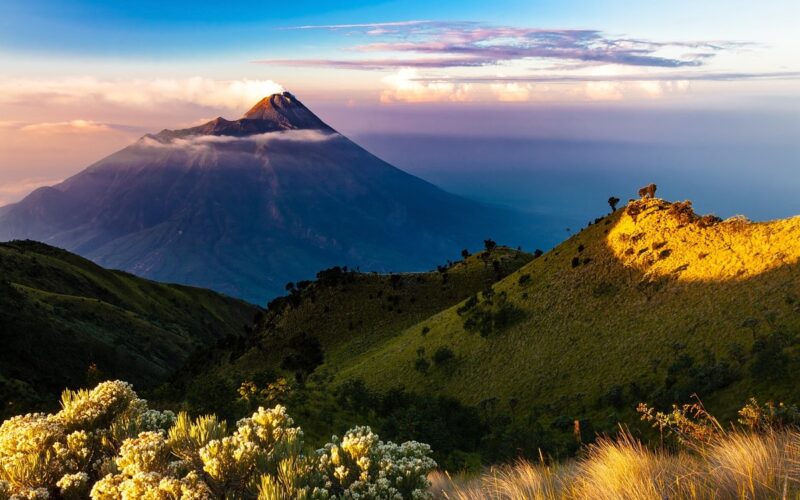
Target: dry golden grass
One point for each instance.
(737, 466)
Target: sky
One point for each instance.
(569, 96)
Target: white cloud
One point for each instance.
(511, 92)
(405, 87)
(199, 142)
(231, 94)
(67, 127)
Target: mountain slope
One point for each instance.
(60, 314)
(244, 206)
(651, 303)
(346, 313)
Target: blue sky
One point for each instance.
(80, 79)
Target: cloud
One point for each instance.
(405, 87)
(231, 94)
(370, 26)
(511, 92)
(67, 127)
(468, 44)
(206, 142)
(641, 77)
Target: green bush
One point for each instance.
(443, 355)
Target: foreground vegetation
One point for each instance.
(106, 443)
(759, 458)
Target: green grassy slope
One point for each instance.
(350, 313)
(650, 303)
(60, 313)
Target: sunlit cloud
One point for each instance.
(639, 77)
(469, 44)
(67, 127)
(204, 142)
(511, 92)
(404, 87)
(231, 94)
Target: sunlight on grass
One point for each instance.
(739, 465)
(662, 239)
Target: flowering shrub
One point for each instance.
(107, 444)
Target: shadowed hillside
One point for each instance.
(61, 314)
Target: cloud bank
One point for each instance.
(230, 94)
(206, 142)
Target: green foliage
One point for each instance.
(490, 315)
(770, 360)
(65, 320)
(443, 355)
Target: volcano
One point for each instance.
(244, 206)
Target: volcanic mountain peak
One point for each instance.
(285, 110)
(273, 113)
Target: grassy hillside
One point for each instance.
(345, 313)
(319, 328)
(651, 303)
(61, 314)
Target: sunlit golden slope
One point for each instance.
(649, 303)
(658, 239)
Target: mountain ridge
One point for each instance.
(64, 317)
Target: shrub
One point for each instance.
(443, 355)
(494, 313)
(770, 361)
(106, 443)
(422, 365)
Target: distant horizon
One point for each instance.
(675, 86)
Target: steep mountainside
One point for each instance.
(244, 206)
(651, 303)
(60, 314)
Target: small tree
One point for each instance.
(489, 244)
(612, 202)
(464, 253)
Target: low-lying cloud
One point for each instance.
(206, 142)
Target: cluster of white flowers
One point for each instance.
(74, 485)
(87, 409)
(362, 466)
(107, 444)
